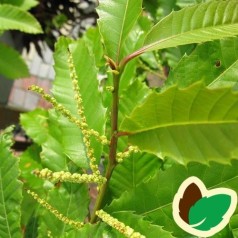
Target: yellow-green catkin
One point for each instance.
(110, 88)
(80, 107)
(66, 113)
(55, 212)
(122, 155)
(68, 177)
(121, 227)
(49, 234)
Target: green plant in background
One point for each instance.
(14, 16)
(110, 156)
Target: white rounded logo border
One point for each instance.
(205, 193)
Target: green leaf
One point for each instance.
(209, 211)
(128, 218)
(30, 161)
(14, 18)
(138, 32)
(88, 84)
(133, 171)
(52, 155)
(152, 199)
(23, 4)
(140, 225)
(195, 24)
(72, 143)
(193, 124)
(9, 58)
(92, 101)
(116, 20)
(92, 230)
(174, 55)
(46, 129)
(30, 210)
(215, 63)
(71, 200)
(62, 87)
(57, 136)
(93, 38)
(131, 97)
(227, 232)
(234, 225)
(10, 189)
(63, 91)
(36, 124)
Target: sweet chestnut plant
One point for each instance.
(109, 156)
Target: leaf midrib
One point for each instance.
(120, 36)
(217, 27)
(223, 73)
(4, 207)
(173, 124)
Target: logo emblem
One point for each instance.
(203, 212)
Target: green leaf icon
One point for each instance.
(208, 212)
(200, 211)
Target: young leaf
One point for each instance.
(133, 171)
(14, 18)
(195, 24)
(46, 130)
(194, 124)
(30, 161)
(35, 124)
(132, 96)
(52, 155)
(215, 63)
(72, 201)
(116, 19)
(153, 199)
(63, 91)
(99, 229)
(10, 189)
(88, 85)
(138, 32)
(30, 207)
(72, 142)
(93, 38)
(10, 57)
(92, 101)
(139, 224)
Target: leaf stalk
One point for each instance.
(113, 147)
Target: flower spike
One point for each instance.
(51, 209)
(121, 227)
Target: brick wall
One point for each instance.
(42, 74)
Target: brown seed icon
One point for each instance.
(191, 195)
